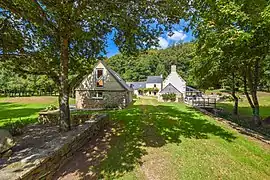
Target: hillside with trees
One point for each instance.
(155, 62)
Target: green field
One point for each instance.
(244, 107)
(24, 108)
(151, 140)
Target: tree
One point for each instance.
(237, 30)
(161, 70)
(154, 62)
(62, 38)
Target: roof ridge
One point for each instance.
(116, 76)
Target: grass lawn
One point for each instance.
(151, 140)
(244, 107)
(24, 108)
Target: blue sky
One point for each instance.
(164, 40)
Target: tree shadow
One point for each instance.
(120, 149)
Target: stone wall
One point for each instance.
(52, 118)
(47, 166)
(111, 99)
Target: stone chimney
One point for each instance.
(173, 68)
(161, 76)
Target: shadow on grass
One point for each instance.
(119, 149)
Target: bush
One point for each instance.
(134, 96)
(145, 90)
(15, 127)
(169, 97)
(219, 94)
(51, 108)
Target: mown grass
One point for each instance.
(154, 140)
(244, 107)
(24, 109)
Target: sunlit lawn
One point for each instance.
(154, 140)
(24, 108)
(244, 107)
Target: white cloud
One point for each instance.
(163, 43)
(177, 36)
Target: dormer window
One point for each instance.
(99, 78)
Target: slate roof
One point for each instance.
(137, 85)
(154, 79)
(117, 77)
(169, 89)
(191, 89)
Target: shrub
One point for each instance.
(51, 108)
(15, 127)
(145, 90)
(219, 94)
(169, 97)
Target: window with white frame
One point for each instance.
(98, 95)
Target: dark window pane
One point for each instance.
(99, 73)
(99, 94)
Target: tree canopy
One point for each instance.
(62, 39)
(232, 41)
(154, 62)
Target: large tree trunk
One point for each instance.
(254, 88)
(64, 87)
(236, 100)
(247, 94)
(256, 109)
(235, 108)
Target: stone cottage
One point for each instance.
(102, 89)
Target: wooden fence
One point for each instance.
(202, 102)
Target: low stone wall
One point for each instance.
(45, 166)
(52, 118)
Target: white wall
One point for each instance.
(176, 81)
(151, 85)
